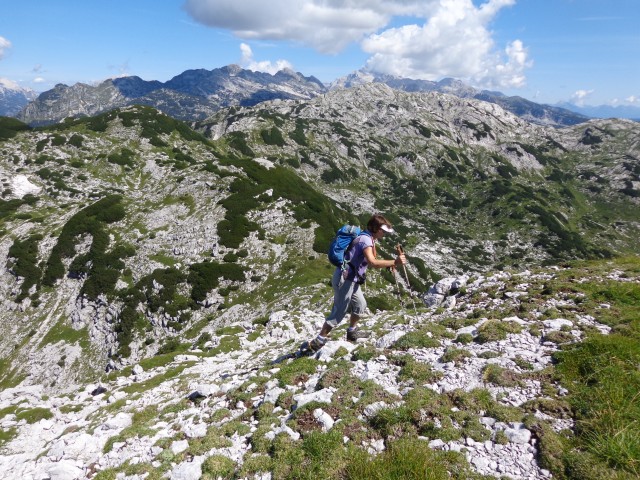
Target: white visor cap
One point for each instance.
(387, 228)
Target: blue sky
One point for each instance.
(549, 51)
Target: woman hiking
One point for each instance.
(346, 281)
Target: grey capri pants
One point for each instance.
(346, 295)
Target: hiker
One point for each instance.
(346, 282)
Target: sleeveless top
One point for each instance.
(356, 261)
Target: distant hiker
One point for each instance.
(346, 281)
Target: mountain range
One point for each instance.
(192, 95)
(153, 269)
(196, 94)
(605, 111)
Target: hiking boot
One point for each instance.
(312, 346)
(356, 333)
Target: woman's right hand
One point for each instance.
(400, 260)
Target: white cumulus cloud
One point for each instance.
(4, 45)
(455, 41)
(267, 66)
(633, 99)
(438, 38)
(326, 25)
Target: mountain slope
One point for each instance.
(196, 94)
(605, 111)
(123, 230)
(486, 388)
(134, 246)
(455, 169)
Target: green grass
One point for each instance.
(164, 259)
(140, 426)
(6, 435)
(417, 339)
(294, 371)
(33, 415)
(409, 459)
(602, 376)
(495, 330)
(153, 382)
(62, 332)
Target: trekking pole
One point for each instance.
(395, 279)
(400, 251)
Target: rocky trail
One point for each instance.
(477, 345)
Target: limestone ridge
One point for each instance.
(531, 111)
(192, 95)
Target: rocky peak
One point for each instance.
(13, 97)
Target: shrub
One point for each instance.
(464, 338)
(124, 158)
(273, 136)
(557, 336)
(105, 267)
(25, 253)
(76, 140)
(297, 135)
(170, 345)
(205, 276)
(9, 127)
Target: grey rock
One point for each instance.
(389, 339)
(188, 470)
(517, 433)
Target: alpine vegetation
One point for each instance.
(154, 270)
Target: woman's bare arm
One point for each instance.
(375, 263)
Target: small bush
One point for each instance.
(170, 345)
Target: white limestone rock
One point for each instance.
(324, 419)
(321, 396)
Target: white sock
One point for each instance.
(321, 339)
